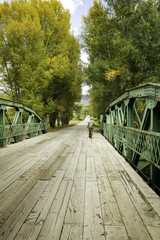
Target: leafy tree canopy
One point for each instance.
(122, 39)
(39, 56)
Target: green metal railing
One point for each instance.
(15, 130)
(129, 141)
(137, 134)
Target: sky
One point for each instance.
(77, 9)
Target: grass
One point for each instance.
(71, 123)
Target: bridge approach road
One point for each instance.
(64, 185)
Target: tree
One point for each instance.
(78, 109)
(122, 40)
(39, 57)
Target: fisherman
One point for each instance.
(90, 127)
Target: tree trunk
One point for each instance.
(58, 121)
(52, 122)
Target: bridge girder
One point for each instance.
(14, 129)
(135, 134)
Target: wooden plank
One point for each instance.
(15, 193)
(72, 232)
(145, 210)
(90, 171)
(64, 164)
(89, 149)
(81, 167)
(41, 158)
(131, 218)
(82, 159)
(23, 159)
(53, 162)
(116, 232)
(13, 224)
(127, 209)
(14, 154)
(71, 170)
(49, 173)
(88, 194)
(53, 224)
(110, 211)
(74, 219)
(143, 207)
(14, 173)
(154, 232)
(75, 209)
(93, 224)
(148, 192)
(33, 224)
(155, 203)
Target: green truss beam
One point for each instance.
(135, 135)
(15, 130)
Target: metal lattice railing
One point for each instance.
(7, 131)
(130, 141)
(17, 127)
(132, 125)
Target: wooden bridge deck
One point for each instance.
(65, 186)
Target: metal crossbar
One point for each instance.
(136, 133)
(144, 143)
(15, 130)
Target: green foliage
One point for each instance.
(85, 111)
(78, 109)
(122, 40)
(39, 57)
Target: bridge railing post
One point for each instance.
(129, 122)
(2, 126)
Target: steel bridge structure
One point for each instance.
(18, 122)
(132, 125)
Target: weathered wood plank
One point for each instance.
(74, 219)
(145, 210)
(116, 232)
(154, 232)
(155, 203)
(72, 232)
(136, 178)
(71, 170)
(33, 224)
(141, 203)
(126, 206)
(13, 224)
(68, 186)
(14, 194)
(75, 209)
(130, 216)
(93, 223)
(53, 163)
(110, 211)
(90, 172)
(53, 224)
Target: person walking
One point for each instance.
(90, 127)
